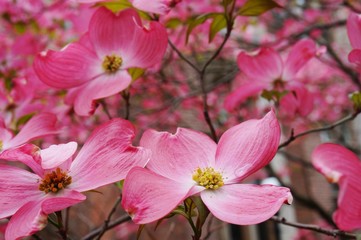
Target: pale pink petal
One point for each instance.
(348, 213)
(334, 161)
(101, 87)
(298, 100)
(28, 220)
(32, 217)
(177, 156)
(63, 199)
(247, 147)
(55, 155)
(148, 197)
(38, 126)
(73, 66)
(122, 34)
(5, 134)
(107, 156)
(354, 30)
(300, 54)
(355, 58)
(28, 154)
(158, 6)
(266, 66)
(17, 187)
(243, 92)
(245, 204)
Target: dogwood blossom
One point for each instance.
(96, 66)
(190, 163)
(57, 182)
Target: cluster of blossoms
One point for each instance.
(131, 50)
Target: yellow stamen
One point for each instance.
(112, 63)
(208, 178)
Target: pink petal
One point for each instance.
(158, 6)
(299, 99)
(340, 165)
(148, 197)
(355, 58)
(300, 54)
(101, 87)
(17, 187)
(177, 156)
(32, 217)
(354, 30)
(348, 214)
(38, 126)
(27, 220)
(243, 92)
(334, 161)
(55, 155)
(123, 34)
(64, 199)
(247, 147)
(246, 204)
(266, 66)
(70, 67)
(108, 154)
(27, 154)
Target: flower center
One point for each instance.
(112, 63)
(208, 178)
(55, 181)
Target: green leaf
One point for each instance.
(257, 7)
(136, 73)
(356, 100)
(198, 21)
(273, 95)
(119, 5)
(20, 27)
(24, 119)
(219, 22)
(173, 23)
(120, 184)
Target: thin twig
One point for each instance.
(62, 230)
(307, 202)
(328, 127)
(106, 222)
(118, 221)
(126, 96)
(315, 228)
(183, 57)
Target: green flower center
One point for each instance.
(55, 181)
(112, 63)
(208, 178)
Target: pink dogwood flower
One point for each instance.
(96, 66)
(57, 183)
(189, 162)
(340, 165)
(267, 70)
(354, 35)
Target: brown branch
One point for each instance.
(106, 222)
(118, 221)
(329, 127)
(307, 202)
(315, 228)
